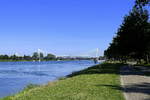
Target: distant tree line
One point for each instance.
(35, 56)
(132, 40)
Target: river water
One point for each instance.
(14, 76)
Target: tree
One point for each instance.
(27, 57)
(142, 3)
(133, 36)
(35, 56)
(50, 57)
(4, 57)
(14, 57)
(41, 55)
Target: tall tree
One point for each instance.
(132, 38)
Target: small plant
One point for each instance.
(31, 86)
(62, 78)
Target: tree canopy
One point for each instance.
(132, 40)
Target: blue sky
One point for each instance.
(62, 27)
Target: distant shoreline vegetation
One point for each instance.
(40, 56)
(34, 57)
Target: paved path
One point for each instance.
(135, 85)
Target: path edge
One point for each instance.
(122, 83)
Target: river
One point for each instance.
(14, 76)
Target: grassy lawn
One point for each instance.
(147, 66)
(100, 82)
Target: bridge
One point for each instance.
(90, 53)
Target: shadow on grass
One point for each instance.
(105, 68)
(145, 70)
(135, 88)
(134, 70)
(145, 65)
(147, 73)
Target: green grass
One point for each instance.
(100, 82)
(147, 73)
(145, 65)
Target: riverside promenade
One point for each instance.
(135, 85)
